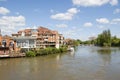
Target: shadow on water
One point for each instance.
(105, 54)
(108, 50)
(104, 51)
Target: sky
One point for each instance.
(77, 19)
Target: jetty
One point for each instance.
(6, 53)
(14, 55)
(4, 56)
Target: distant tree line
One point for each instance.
(104, 40)
(73, 42)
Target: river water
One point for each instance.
(86, 63)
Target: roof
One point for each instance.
(7, 37)
(40, 30)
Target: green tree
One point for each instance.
(30, 54)
(115, 41)
(104, 39)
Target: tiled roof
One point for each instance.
(40, 30)
(7, 37)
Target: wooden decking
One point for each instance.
(5, 52)
(12, 55)
(4, 56)
(16, 55)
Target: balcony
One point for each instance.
(48, 43)
(25, 37)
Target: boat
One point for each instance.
(71, 49)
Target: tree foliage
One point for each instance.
(73, 42)
(30, 54)
(115, 41)
(46, 51)
(104, 39)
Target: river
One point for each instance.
(86, 63)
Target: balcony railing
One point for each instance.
(45, 44)
(25, 37)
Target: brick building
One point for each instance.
(6, 44)
(38, 38)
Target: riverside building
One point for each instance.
(6, 44)
(38, 38)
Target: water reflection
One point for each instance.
(105, 54)
(71, 53)
(58, 56)
(86, 63)
(104, 51)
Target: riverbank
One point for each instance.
(12, 55)
(46, 51)
(34, 52)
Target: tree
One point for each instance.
(115, 41)
(104, 39)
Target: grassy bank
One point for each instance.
(46, 51)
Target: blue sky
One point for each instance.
(78, 19)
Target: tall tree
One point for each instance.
(104, 39)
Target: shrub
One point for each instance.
(50, 50)
(30, 54)
(55, 50)
(63, 49)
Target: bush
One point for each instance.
(63, 49)
(42, 52)
(50, 50)
(30, 54)
(55, 50)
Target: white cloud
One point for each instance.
(115, 21)
(103, 20)
(113, 2)
(116, 11)
(106, 21)
(88, 24)
(87, 3)
(10, 23)
(61, 25)
(67, 15)
(73, 10)
(69, 33)
(4, 11)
